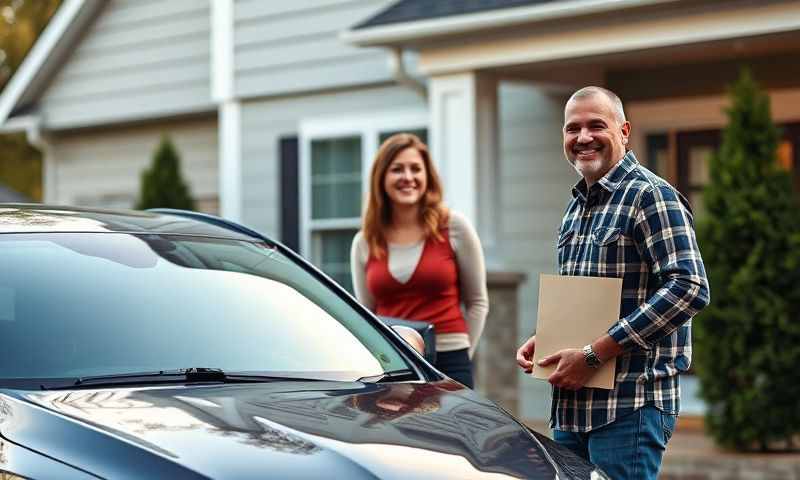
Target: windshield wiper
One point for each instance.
(181, 375)
(391, 376)
(189, 374)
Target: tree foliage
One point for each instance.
(21, 21)
(747, 345)
(162, 184)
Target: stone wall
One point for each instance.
(494, 362)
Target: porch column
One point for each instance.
(49, 173)
(229, 110)
(463, 141)
(41, 140)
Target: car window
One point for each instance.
(78, 304)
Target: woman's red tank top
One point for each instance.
(430, 295)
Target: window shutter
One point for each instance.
(290, 194)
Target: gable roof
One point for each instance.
(413, 21)
(52, 47)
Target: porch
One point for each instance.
(496, 86)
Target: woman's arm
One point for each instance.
(471, 274)
(359, 253)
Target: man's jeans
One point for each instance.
(629, 448)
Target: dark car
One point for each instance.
(177, 345)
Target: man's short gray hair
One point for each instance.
(591, 91)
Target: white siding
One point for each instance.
(103, 167)
(139, 59)
(284, 47)
(535, 186)
(264, 122)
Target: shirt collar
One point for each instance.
(611, 180)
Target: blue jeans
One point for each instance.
(629, 448)
(456, 365)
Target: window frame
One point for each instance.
(368, 128)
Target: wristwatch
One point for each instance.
(590, 357)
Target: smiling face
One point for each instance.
(594, 136)
(405, 181)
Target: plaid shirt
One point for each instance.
(633, 225)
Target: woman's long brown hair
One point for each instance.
(378, 215)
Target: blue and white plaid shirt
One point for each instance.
(633, 225)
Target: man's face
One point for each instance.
(594, 139)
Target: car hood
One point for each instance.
(287, 430)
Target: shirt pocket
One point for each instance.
(608, 251)
(564, 247)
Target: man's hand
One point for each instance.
(525, 354)
(572, 371)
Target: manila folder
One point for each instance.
(573, 312)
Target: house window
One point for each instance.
(336, 178)
(695, 150)
(657, 159)
(335, 203)
(336, 157)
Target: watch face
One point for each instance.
(590, 357)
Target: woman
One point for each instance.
(415, 259)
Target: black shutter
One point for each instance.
(290, 192)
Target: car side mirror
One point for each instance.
(411, 336)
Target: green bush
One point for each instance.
(747, 345)
(162, 185)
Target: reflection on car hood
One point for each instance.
(284, 429)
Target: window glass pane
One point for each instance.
(786, 155)
(336, 178)
(119, 303)
(332, 249)
(658, 154)
(422, 133)
(699, 159)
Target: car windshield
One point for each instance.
(83, 304)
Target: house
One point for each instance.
(278, 107)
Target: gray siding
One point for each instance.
(140, 59)
(102, 167)
(284, 47)
(535, 184)
(264, 122)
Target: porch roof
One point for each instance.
(584, 36)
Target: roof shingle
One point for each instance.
(414, 10)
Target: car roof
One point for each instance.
(36, 218)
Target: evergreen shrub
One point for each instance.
(162, 185)
(747, 345)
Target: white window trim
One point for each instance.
(368, 127)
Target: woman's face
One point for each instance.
(405, 180)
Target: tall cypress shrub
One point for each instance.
(747, 345)
(162, 185)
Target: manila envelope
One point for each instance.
(573, 312)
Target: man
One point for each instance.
(623, 221)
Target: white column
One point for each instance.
(230, 160)
(40, 140)
(229, 119)
(49, 174)
(463, 140)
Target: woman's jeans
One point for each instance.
(456, 365)
(629, 448)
